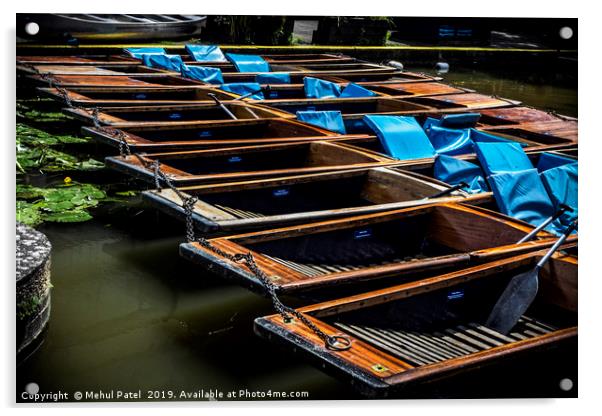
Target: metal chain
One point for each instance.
(335, 342)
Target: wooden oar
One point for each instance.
(448, 190)
(520, 292)
(222, 106)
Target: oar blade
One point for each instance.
(514, 301)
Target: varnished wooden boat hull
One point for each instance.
(129, 95)
(283, 201)
(94, 60)
(165, 116)
(250, 162)
(382, 362)
(213, 135)
(103, 59)
(359, 250)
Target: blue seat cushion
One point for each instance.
(353, 90)
(450, 141)
(522, 195)
(202, 73)
(453, 171)
(329, 120)
(562, 185)
(243, 88)
(248, 63)
(205, 53)
(318, 88)
(402, 137)
(138, 52)
(169, 62)
(551, 160)
(463, 120)
(502, 157)
(273, 78)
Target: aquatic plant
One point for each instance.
(35, 150)
(63, 203)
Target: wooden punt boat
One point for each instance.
(106, 70)
(161, 116)
(103, 59)
(116, 81)
(433, 328)
(542, 131)
(339, 76)
(180, 95)
(112, 80)
(93, 60)
(468, 101)
(250, 162)
(212, 135)
(353, 110)
(517, 115)
(135, 95)
(426, 166)
(325, 255)
(259, 204)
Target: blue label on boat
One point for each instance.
(311, 108)
(139, 96)
(455, 294)
(205, 134)
(175, 116)
(281, 192)
(234, 159)
(273, 94)
(364, 233)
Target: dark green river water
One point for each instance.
(129, 314)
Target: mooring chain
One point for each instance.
(337, 342)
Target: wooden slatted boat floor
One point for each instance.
(260, 204)
(432, 328)
(319, 256)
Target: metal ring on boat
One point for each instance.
(333, 341)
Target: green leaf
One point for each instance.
(28, 214)
(68, 216)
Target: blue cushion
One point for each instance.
(318, 88)
(273, 78)
(206, 53)
(243, 88)
(138, 52)
(430, 122)
(522, 195)
(354, 90)
(551, 160)
(248, 63)
(329, 120)
(169, 62)
(453, 171)
(202, 73)
(450, 141)
(460, 120)
(562, 185)
(502, 157)
(480, 136)
(402, 137)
